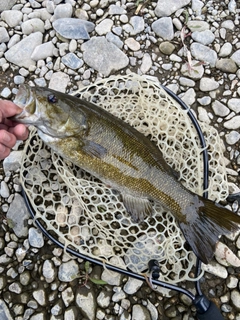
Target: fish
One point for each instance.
(126, 160)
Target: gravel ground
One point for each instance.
(193, 47)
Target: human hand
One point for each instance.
(10, 131)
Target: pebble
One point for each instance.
(104, 27)
(235, 298)
(186, 82)
(135, 25)
(71, 28)
(20, 53)
(4, 37)
(236, 57)
(12, 17)
(194, 72)
(132, 44)
(86, 302)
(226, 65)
(220, 109)
(140, 312)
(103, 299)
(233, 123)
(43, 51)
(4, 190)
(204, 37)
(234, 104)
(72, 61)
(146, 63)
(232, 137)
(7, 4)
(40, 297)
(13, 161)
(59, 81)
(165, 8)
(197, 25)
(68, 271)
(132, 286)
(208, 84)
(6, 93)
(203, 53)
(163, 28)
(112, 58)
(63, 11)
(225, 50)
(18, 215)
(166, 47)
(35, 238)
(32, 25)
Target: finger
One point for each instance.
(7, 139)
(4, 151)
(20, 131)
(8, 109)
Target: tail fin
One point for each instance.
(203, 232)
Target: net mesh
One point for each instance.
(88, 217)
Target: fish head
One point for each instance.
(47, 110)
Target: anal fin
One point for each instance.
(137, 207)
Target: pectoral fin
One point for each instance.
(137, 207)
(94, 149)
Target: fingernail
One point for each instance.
(7, 137)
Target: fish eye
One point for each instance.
(52, 98)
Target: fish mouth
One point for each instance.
(25, 100)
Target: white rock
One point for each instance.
(236, 57)
(132, 285)
(132, 44)
(165, 8)
(12, 17)
(68, 271)
(35, 238)
(4, 190)
(140, 312)
(4, 37)
(225, 50)
(189, 96)
(208, 84)
(204, 37)
(146, 63)
(20, 53)
(234, 104)
(220, 109)
(233, 123)
(203, 53)
(62, 11)
(232, 137)
(203, 115)
(225, 256)
(59, 81)
(32, 25)
(235, 297)
(104, 27)
(216, 269)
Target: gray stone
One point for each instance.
(68, 271)
(18, 215)
(165, 8)
(67, 296)
(34, 4)
(166, 47)
(220, 109)
(40, 297)
(63, 11)
(20, 53)
(71, 28)
(135, 25)
(236, 57)
(226, 65)
(197, 25)
(234, 104)
(204, 37)
(228, 24)
(18, 80)
(203, 53)
(204, 101)
(197, 6)
(6, 93)
(72, 61)
(6, 4)
(13, 40)
(114, 39)
(233, 123)
(4, 190)
(71, 313)
(115, 9)
(111, 58)
(35, 238)
(49, 271)
(208, 84)
(59, 81)
(4, 36)
(132, 286)
(146, 63)
(235, 298)
(132, 44)
(86, 302)
(225, 50)
(32, 25)
(43, 51)
(12, 17)
(140, 312)
(13, 161)
(103, 299)
(195, 71)
(163, 28)
(104, 27)
(189, 96)
(4, 311)
(186, 82)
(203, 115)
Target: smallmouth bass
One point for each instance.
(124, 159)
